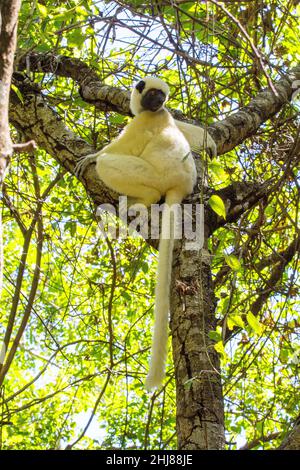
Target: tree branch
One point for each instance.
(256, 442)
(9, 10)
(29, 146)
(275, 276)
(236, 128)
(269, 284)
(37, 220)
(257, 54)
(227, 133)
(36, 119)
(91, 88)
(238, 198)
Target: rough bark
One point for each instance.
(236, 128)
(9, 10)
(203, 426)
(36, 119)
(92, 89)
(200, 408)
(292, 440)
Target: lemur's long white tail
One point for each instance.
(162, 294)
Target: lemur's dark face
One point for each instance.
(153, 99)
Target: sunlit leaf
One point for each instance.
(233, 262)
(217, 205)
(254, 323)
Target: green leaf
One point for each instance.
(217, 205)
(219, 347)
(254, 323)
(76, 38)
(126, 295)
(18, 93)
(42, 10)
(233, 262)
(117, 119)
(145, 267)
(215, 335)
(218, 169)
(235, 320)
(81, 11)
(284, 355)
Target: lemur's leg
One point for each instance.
(131, 176)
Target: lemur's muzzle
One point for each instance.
(153, 99)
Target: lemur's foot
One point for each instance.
(211, 146)
(83, 163)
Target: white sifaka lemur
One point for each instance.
(151, 159)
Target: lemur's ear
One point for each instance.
(140, 86)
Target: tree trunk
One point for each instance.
(199, 398)
(9, 10)
(200, 411)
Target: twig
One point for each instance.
(70, 446)
(258, 440)
(29, 146)
(35, 280)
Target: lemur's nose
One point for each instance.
(153, 99)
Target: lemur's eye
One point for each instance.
(140, 86)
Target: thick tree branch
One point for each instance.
(29, 146)
(92, 89)
(227, 133)
(36, 119)
(275, 257)
(200, 404)
(238, 198)
(236, 128)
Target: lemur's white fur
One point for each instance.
(197, 137)
(149, 160)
